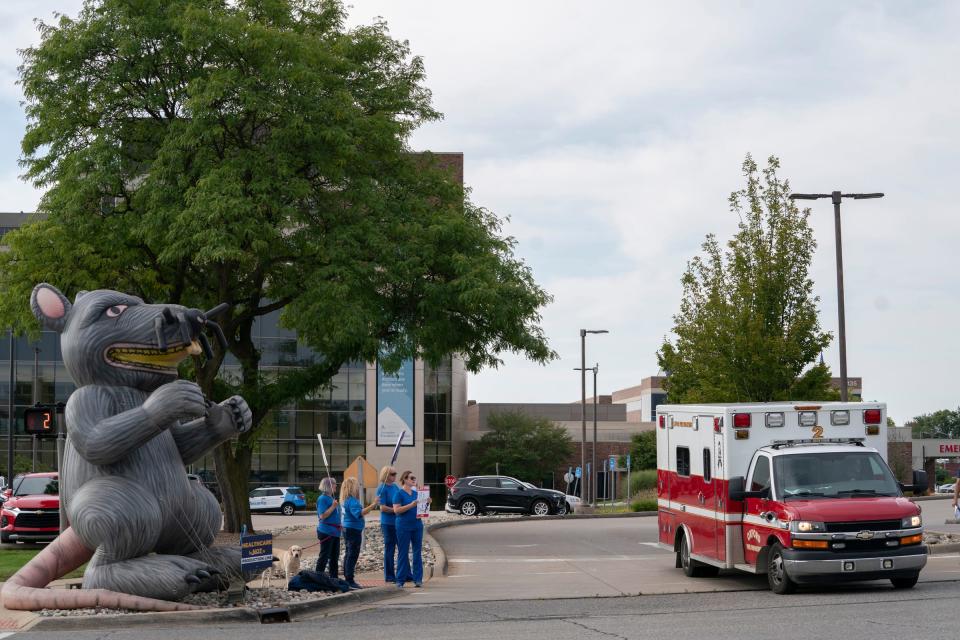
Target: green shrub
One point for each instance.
(643, 450)
(311, 498)
(644, 504)
(645, 480)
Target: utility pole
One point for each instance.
(36, 400)
(835, 197)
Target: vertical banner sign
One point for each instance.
(395, 394)
(423, 502)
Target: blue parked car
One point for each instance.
(286, 500)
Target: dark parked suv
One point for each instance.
(474, 495)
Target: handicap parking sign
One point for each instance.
(579, 472)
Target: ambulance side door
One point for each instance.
(756, 520)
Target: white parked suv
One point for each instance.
(286, 500)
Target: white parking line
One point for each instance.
(551, 573)
(544, 560)
(522, 546)
(6, 634)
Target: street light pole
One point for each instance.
(593, 448)
(10, 410)
(835, 197)
(583, 406)
(593, 452)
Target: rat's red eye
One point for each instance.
(116, 310)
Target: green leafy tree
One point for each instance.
(255, 152)
(643, 450)
(944, 423)
(522, 446)
(747, 329)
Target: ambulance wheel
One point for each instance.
(780, 583)
(905, 583)
(692, 568)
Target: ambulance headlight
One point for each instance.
(911, 523)
(806, 526)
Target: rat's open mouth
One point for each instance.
(138, 356)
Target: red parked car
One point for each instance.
(31, 511)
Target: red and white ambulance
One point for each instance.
(800, 492)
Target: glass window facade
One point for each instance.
(288, 452)
(36, 367)
(437, 424)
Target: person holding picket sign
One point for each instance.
(409, 531)
(328, 528)
(385, 493)
(353, 523)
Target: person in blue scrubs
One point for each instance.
(328, 527)
(353, 524)
(409, 531)
(385, 493)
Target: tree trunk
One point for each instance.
(233, 469)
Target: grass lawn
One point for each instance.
(13, 559)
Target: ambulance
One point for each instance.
(797, 491)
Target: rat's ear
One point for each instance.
(50, 307)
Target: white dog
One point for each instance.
(289, 562)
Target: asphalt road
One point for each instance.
(855, 614)
(585, 558)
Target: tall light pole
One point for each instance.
(593, 448)
(836, 196)
(11, 409)
(583, 402)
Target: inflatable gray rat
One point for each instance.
(144, 526)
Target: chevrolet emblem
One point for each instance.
(865, 535)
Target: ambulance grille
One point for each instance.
(863, 525)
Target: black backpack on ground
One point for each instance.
(314, 581)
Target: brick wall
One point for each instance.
(900, 459)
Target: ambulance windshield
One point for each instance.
(841, 474)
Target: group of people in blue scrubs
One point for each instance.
(402, 529)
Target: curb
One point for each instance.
(183, 618)
(935, 496)
(439, 566)
(949, 547)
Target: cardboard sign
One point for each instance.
(423, 502)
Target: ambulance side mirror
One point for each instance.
(736, 486)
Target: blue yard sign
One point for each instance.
(256, 552)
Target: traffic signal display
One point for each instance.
(40, 421)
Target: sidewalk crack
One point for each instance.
(589, 628)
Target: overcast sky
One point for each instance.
(611, 134)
